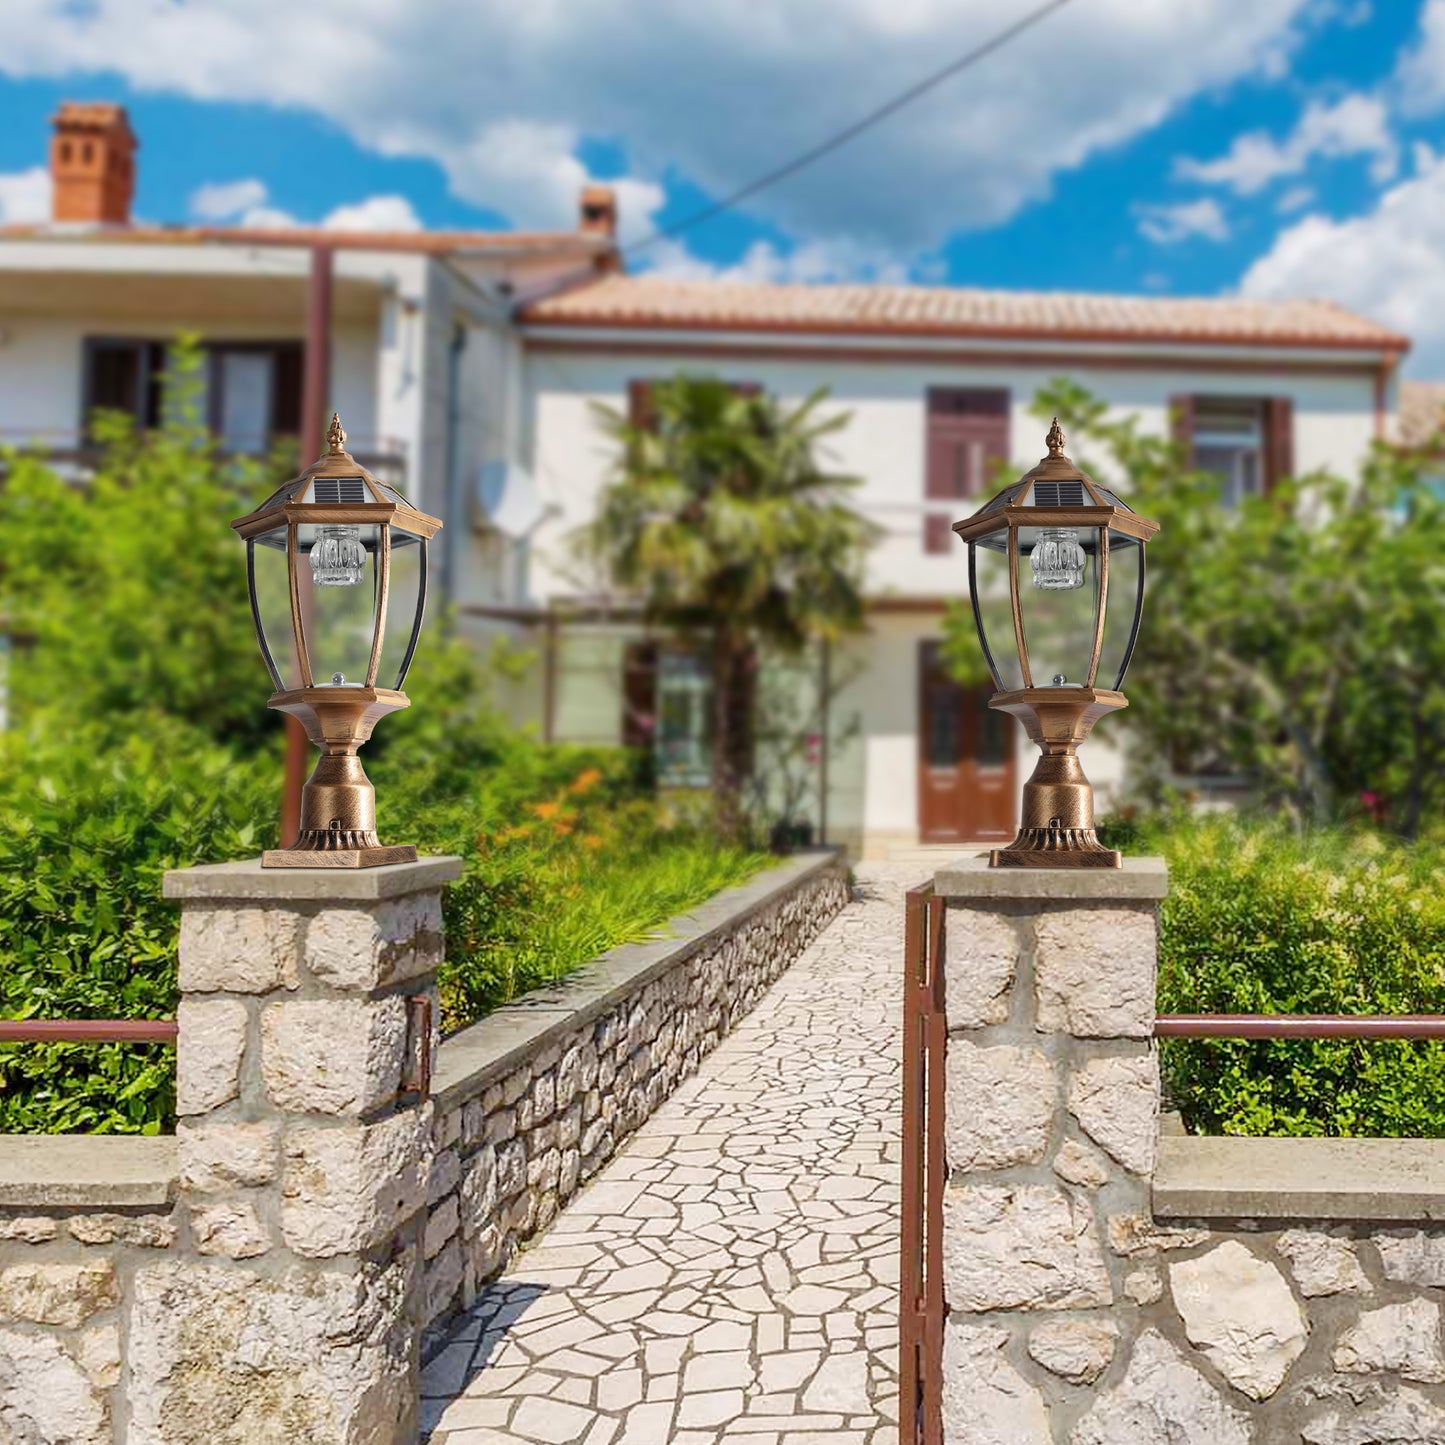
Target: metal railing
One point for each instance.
(1300, 1026)
(87, 1031)
(417, 1078)
(920, 1307)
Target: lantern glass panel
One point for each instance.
(270, 586)
(1059, 602)
(1121, 620)
(338, 599)
(988, 579)
(405, 602)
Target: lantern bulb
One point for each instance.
(1058, 560)
(337, 557)
(338, 679)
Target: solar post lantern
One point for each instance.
(336, 565)
(1056, 578)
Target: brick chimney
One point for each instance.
(92, 164)
(597, 214)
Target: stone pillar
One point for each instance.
(1050, 1121)
(291, 1307)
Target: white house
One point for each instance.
(468, 364)
(938, 382)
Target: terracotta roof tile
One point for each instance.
(660, 302)
(429, 242)
(1422, 411)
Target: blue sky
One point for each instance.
(1172, 146)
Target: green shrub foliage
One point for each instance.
(1260, 919)
(140, 741)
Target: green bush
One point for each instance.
(84, 932)
(562, 860)
(141, 742)
(1260, 919)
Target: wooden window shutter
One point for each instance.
(741, 723)
(1278, 441)
(1181, 424)
(639, 405)
(639, 694)
(967, 432)
(937, 533)
(286, 386)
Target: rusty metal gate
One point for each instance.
(920, 1306)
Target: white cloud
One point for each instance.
(377, 213)
(1385, 263)
(221, 200)
(248, 203)
(1166, 225)
(238, 203)
(25, 195)
(812, 262)
(1296, 198)
(501, 94)
(530, 172)
(1420, 76)
(1356, 125)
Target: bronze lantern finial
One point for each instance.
(335, 435)
(1055, 439)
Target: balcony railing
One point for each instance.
(75, 455)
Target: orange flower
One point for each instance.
(546, 810)
(592, 841)
(561, 829)
(587, 779)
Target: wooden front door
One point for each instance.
(965, 759)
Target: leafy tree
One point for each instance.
(126, 594)
(1296, 639)
(723, 522)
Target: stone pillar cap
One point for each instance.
(249, 882)
(1140, 879)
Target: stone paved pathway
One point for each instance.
(732, 1274)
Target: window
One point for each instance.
(1229, 444)
(667, 709)
(967, 438)
(255, 393)
(122, 374)
(684, 721)
(254, 388)
(1247, 442)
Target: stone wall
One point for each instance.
(79, 1220)
(267, 1274)
(1082, 1312)
(533, 1100)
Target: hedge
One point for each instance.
(1261, 919)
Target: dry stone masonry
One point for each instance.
(1076, 1317)
(266, 1275)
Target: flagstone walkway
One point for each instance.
(732, 1274)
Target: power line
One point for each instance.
(850, 132)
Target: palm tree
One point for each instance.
(722, 522)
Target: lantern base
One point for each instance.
(1056, 848)
(302, 857)
(338, 803)
(1057, 828)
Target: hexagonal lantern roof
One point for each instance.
(1055, 493)
(337, 488)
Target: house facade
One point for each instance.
(468, 367)
(938, 384)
